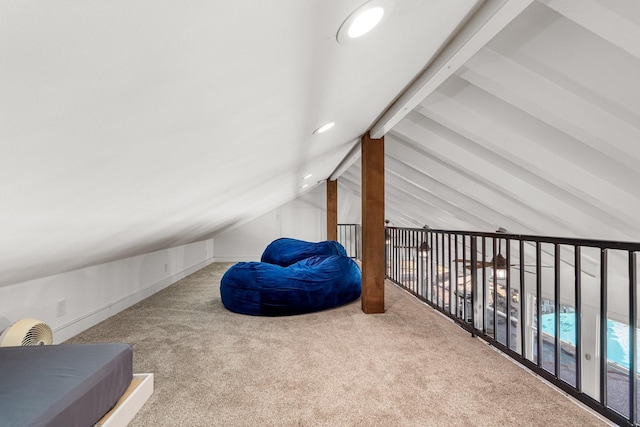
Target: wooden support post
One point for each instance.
(372, 225)
(332, 210)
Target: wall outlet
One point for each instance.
(62, 307)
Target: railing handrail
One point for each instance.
(594, 243)
(350, 236)
(428, 273)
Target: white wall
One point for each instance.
(304, 218)
(93, 294)
(349, 206)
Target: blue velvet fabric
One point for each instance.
(286, 251)
(313, 284)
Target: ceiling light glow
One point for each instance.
(307, 177)
(365, 22)
(324, 128)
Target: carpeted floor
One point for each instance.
(406, 367)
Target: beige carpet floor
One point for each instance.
(341, 367)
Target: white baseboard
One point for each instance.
(236, 259)
(84, 322)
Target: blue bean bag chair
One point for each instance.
(286, 251)
(313, 284)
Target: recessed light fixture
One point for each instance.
(307, 176)
(324, 128)
(363, 20)
(304, 186)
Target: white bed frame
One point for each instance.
(132, 400)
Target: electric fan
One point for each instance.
(26, 332)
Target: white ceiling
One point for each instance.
(128, 126)
(538, 132)
(132, 126)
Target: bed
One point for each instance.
(62, 385)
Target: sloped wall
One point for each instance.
(74, 301)
(90, 295)
(304, 218)
(349, 205)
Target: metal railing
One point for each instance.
(349, 235)
(564, 308)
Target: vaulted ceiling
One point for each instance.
(538, 132)
(132, 126)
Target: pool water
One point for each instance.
(617, 335)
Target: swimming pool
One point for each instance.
(617, 336)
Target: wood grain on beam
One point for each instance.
(332, 210)
(373, 239)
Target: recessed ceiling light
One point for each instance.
(304, 186)
(363, 20)
(324, 128)
(307, 176)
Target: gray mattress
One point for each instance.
(62, 385)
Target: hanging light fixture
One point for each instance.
(424, 249)
(386, 232)
(499, 262)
